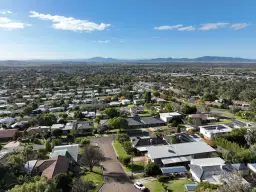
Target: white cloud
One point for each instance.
(166, 27)
(188, 28)
(100, 41)
(238, 26)
(8, 24)
(70, 23)
(211, 26)
(6, 12)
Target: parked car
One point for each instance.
(139, 186)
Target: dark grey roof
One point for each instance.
(146, 141)
(85, 125)
(147, 120)
(133, 121)
(240, 166)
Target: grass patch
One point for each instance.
(136, 166)
(3, 143)
(155, 186)
(95, 176)
(119, 149)
(177, 185)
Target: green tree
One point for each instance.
(206, 187)
(168, 107)
(91, 157)
(156, 94)
(48, 146)
(56, 133)
(147, 97)
(27, 110)
(111, 112)
(42, 185)
(47, 119)
(252, 106)
(118, 123)
(63, 182)
(151, 169)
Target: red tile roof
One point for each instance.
(60, 165)
(7, 133)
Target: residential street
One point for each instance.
(114, 176)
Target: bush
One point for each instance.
(125, 159)
(151, 169)
(127, 145)
(121, 138)
(162, 178)
(56, 142)
(85, 141)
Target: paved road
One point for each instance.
(114, 176)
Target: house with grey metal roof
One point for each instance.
(180, 153)
(210, 170)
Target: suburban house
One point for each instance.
(136, 110)
(84, 127)
(184, 137)
(137, 122)
(138, 101)
(48, 168)
(8, 134)
(22, 125)
(210, 170)
(150, 121)
(7, 121)
(134, 122)
(57, 126)
(141, 143)
(68, 127)
(240, 124)
(114, 104)
(168, 117)
(39, 129)
(179, 154)
(211, 131)
(73, 150)
(125, 102)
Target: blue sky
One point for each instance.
(58, 29)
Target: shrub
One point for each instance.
(152, 169)
(162, 178)
(56, 142)
(125, 159)
(85, 141)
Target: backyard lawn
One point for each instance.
(95, 176)
(177, 185)
(155, 186)
(119, 149)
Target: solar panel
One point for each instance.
(176, 169)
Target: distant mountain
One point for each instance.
(170, 59)
(207, 59)
(101, 59)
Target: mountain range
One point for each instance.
(170, 59)
(207, 59)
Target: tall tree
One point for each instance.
(92, 156)
(147, 97)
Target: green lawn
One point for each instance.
(178, 185)
(155, 186)
(119, 149)
(136, 166)
(95, 176)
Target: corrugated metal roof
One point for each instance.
(176, 169)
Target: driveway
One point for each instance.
(114, 175)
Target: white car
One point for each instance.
(139, 186)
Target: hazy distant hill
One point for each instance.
(170, 59)
(207, 59)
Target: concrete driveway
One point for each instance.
(114, 176)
